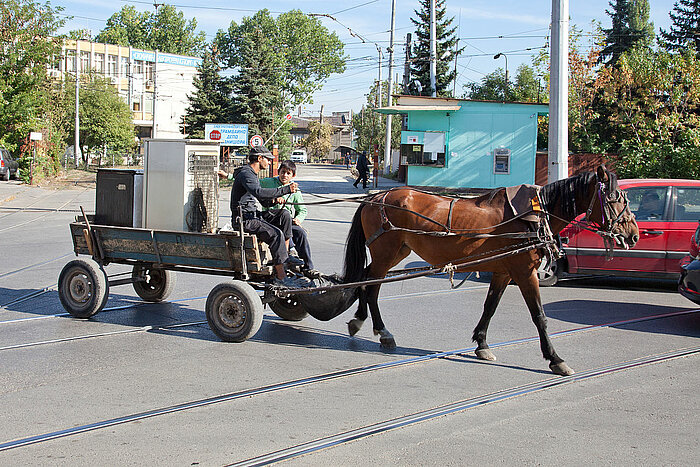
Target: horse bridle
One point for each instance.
(609, 217)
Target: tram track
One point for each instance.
(458, 406)
(372, 429)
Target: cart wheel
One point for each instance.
(288, 308)
(158, 285)
(83, 288)
(234, 311)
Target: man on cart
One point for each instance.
(273, 226)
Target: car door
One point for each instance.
(684, 221)
(647, 256)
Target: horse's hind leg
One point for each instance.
(499, 282)
(529, 287)
(386, 339)
(355, 324)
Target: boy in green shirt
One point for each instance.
(294, 203)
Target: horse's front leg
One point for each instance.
(499, 282)
(530, 289)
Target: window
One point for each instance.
(84, 62)
(112, 65)
(123, 66)
(687, 204)
(99, 63)
(648, 203)
(148, 102)
(149, 71)
(136, 106)
(138, 68)
(423, 148)
(70, 61)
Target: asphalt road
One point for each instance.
(127, 387)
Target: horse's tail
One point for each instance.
(355, 252)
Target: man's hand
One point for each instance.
(279, 200)
(222, 174)
(294, 187)
(295, 221)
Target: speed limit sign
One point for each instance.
(256, 141)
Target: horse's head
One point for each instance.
(609, 208)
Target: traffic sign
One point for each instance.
(256, 141)
(288, 116)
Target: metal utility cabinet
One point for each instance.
(180, 185)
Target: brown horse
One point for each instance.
(444, 230)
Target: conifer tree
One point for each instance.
(445, 50)
(685, 27)
(210, 102)
(630, 27)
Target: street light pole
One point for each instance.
(499, 55)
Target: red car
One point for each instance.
(667, 212)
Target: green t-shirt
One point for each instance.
(294, 202)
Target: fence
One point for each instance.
(577, 163)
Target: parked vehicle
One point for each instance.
(299, 156)
(8, 165)
(689, 282)
(667, 212)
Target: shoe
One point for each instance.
(311, 273)
(294, 261)
(287, 282)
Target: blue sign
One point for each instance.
(227, 134)
(165, 58)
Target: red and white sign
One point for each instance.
(256, 140)
(288, 116)
(215, 135)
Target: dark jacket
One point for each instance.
(362, 164)
(246, 188)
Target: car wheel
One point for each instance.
(5, 177)
(550, 273)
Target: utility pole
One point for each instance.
(433, 49)
(155, 91)
(387, 145)
(76, 140)
(407, 65)
(558, 158)
(454, 87)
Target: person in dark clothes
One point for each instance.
(273, 226)
(363, 168)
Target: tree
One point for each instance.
(105, 119)
(630, 27)
(167, 31)
(655, 98)
(302, 51)
(370, 127)
(685, 19)
(493, 87)
(211, 100)
(445, 49)
(28, 47)
(318, 143)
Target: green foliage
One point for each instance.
(654, 99)
(296, 51)
(685, 19)
(167, 30)
(493, 87)
(318, 143)
(25, 95)
(370, 127)
(445, 49)
(211, 100)
(105, 119)
(630, 27)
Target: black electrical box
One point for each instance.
(118, 198)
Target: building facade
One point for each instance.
(155, 85)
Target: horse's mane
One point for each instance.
(563, 193)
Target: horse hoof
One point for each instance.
(561, 369)
(354, 326)
(387, 343)
(485, 354)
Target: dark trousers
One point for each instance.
(272, 227)
(301, 242)
(363, 177)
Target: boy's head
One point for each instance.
(287, 170)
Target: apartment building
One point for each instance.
(154, 84)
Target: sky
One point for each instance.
(516, 28)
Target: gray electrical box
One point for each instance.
(180, 185)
